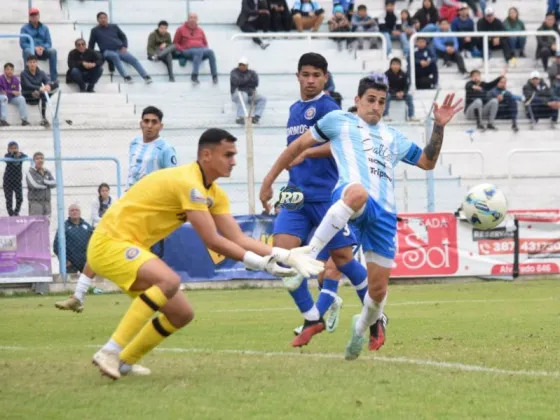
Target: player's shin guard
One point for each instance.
(327, 296)
(371, 312)
(357, 274)
(335, 219)
(149, 337)
(304, 301)
(141, 310)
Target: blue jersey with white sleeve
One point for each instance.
(145, 158)
(315, 177)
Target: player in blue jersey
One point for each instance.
(147, 153)
(366, 152)
(314, 174)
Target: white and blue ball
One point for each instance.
(485, 206)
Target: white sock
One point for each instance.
(312, 314)
(112, 346)
(371, 312)
(84, 282)
(334, 221)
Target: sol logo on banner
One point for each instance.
(426, 245)
(291, 198)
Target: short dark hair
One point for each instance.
(551, 14)
(8, 65)
(473, 72)
(153, 110)
(362, 7)
(375, 81)
(100, 14)
(395, 60)
(314, 60)
(78, 40)
(353, 109)
(37, 154)
(214, 136)
(162, 22)
(31, 58)
(443, 20)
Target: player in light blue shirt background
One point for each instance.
(366, 151)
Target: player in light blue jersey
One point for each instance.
(366, 152)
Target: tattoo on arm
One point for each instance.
(436, 141)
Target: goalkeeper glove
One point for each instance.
(300, 259)
(257, 263)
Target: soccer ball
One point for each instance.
(485, 206)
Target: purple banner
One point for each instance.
(24, 249)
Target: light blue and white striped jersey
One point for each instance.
(366, 154)
(145, 158)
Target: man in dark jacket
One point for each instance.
(245, 82)
(426, 68)
(478, 104)
(85, 67)
(491, 23)
(254, 17)
(161, 47)
(546, 45)
(463, 23)
(35, 86)
(114, 47)
(42, 41)
(78, 233)
(13, 179)
(540, 100)
(398, 89)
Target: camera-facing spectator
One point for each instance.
(554, 75)
(246, 82)
(507, 108)
(280, 16)
(464, 23)
(161, 48)
(42, 40)
(425, 63)
(398, 89)
(546, 45)
(490, 23)
(100, 206)
(190, 41)
(540, 101)
(406, 27)
(113, 44)
(513, 24)
(77, 232)
(85, 67)
(339, 23)
(13, 178)
(362, 22)
(39, 184)
(427, 14)
(254, 17)
(447, 48)
(307, 14)
(390, 30)
(347, 7)
(35, 86)
(478, 103)
(10, 93)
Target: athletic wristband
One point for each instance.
(253, 261)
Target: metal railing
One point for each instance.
(484, 35)
(31, 43)
(475, 152)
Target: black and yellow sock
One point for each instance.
(148, 338)
(141, 310)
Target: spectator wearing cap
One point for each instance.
(425, 63)
(513, 24)
(362, 22)
(161, 48)
(540, 101)
(85, 66)
(507, 108)
(78, 233)
(554, 75)
(398, 89)
(307, 14)
(244, 83)
(10, 93)
(113, 44)
(389, 28)
(280, 16)
(13, 179)
(479, 104)
(42, 41)
(464, 23)
(491, 23)
(426, 14)
(447, 48)
(546, 45)
(254, 17)
(339, 23)
(36, 87)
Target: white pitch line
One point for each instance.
(394, 360)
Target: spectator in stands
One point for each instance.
(35, 86)
(463, 23)
(426, 68)
(307, 14)
(190, 41)
(39, 184)
(507, 108)
(245, 82)
(42, 40)
(398, 89)
(113, 44)
(407, 28)
(362, 22)
(388, 26)
(77, 232)
(161, 48)
(478, 103)
(554, 75)
(254, 17)
(546, 45)
(513, 24)
(447, 48)
(339, 23)
(554, 7)
(85, 67)
(330, 89)
(13, 179)
(10, 93)
(540, 100)
(100, 206)
(427, 14)
(492, 24)
(280, 16)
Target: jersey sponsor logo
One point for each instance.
(197, 197)
(380, 173)
(131, 253)
(297, 130)
(291, 198)
(310, 113)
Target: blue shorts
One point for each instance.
(302, 223)
(375, 229)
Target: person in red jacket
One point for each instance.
(190, 41)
